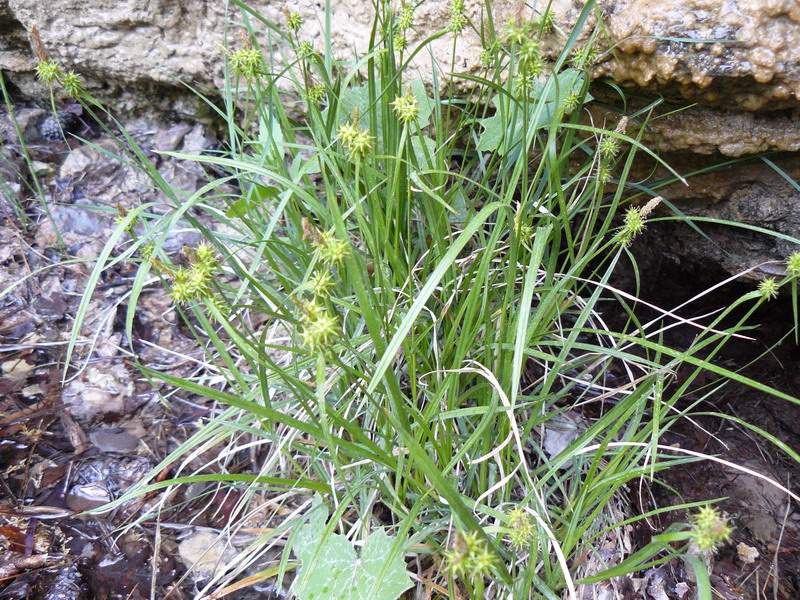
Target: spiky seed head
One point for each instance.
(570, 102)
(73, 85)
(709, 529)
(768, 288)
(305, 49)
(315, 94)
(246, 63)
(319, 331)
(347, 133)
(330, 249)
(399, 41)
(521, 527)
(321, 283)
(361, 145)
(547, 22)
(48, 71)
(793, 265)
(458, 17)
(294, 22)
(405, 17)
(406, 108)
(609, 147)
(206, 255)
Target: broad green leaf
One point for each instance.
(420, 152)
(503, 131)
(332, 570)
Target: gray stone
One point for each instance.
(737, 62)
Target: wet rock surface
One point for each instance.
(741, 55)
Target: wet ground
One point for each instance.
(67, 448)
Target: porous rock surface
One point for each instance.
(735, 63)
(736, 55)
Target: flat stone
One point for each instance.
(205, 552)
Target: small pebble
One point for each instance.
(114, 440)
(53, 125)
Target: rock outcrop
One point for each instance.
(734, 63)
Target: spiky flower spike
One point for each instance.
(330, 249)
(406, 109)
(294, 22)
(458, 17)
(633, 226)
(710, 529)
(48, 71)
(521, 528)
(246, 63)
(320, 328)
(73, 85)
(793, 265)
(470, 556)
(768, 288)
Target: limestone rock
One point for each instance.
(703, 130)
(736, 61)
(206, 552)
(741, 55)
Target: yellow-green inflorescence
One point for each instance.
(305, 49)
(521, 528)
(406, 108)
(547, 22)
(194, 283)
(604, 174)
(709, 529)
(319, 327)
(400, 41)
(458, 17)
(570, 102)
(294, 21)
(793, 265)
(330, 249)
(122, 214)
(516, 33)
(73, 85)
(634, 224)
(48, 71)
(357, 142)
(321, 283)
(315, 93)
(525, 39)
(768, 288)
(585, 56)
(405, 17)
(470, 556)
(609, 147)
(404, 22)
(246, 62)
